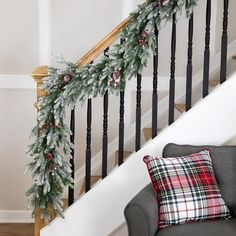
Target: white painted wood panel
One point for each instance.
(19, 36)
(77, 25)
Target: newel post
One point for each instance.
(38, 74)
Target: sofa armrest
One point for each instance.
(141, 213)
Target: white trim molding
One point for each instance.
(16, 216)
(12, 81)
(127, 6)
(17, 82)
(44, 32)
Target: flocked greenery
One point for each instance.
(51, 146)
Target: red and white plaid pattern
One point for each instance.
(186, 189)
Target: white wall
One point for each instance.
(77, 25)
(16, 121)
(19, 55)
(72, 24)
(30, 31)
(19, 36)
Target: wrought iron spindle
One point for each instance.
(121, 125)
(88, 147)
(189, 73)
(121, 128)
(105, 135)
(155, 84)
(224, 43)
(72, 140)
(172, 73)
(138, 113)
(105, 129)
(206, 68)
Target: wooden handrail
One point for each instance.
(92, 54)
(102, 45)
(42, 71)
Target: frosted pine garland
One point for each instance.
(65, 87)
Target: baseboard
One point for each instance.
(15, 216)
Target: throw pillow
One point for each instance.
(186, 189)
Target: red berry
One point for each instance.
(49, 156)
(144, 34)
(158, 5)
(116, 75)
(141, 42)
(67, 78)
(45, 126)
(110, 82)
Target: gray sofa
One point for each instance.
(141, 213)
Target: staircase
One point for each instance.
(104, 204)
(147, 133)
(103, 196)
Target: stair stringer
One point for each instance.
(100, 211)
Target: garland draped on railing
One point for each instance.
(65, 87)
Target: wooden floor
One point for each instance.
(16, 230)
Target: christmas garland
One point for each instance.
(65, 87)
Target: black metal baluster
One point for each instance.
(121, 128)
(172, 73)
(121, 125)
(105, 129)
(105, 135)
(72, 140)
(224, 43)
(88, 147)
(138, 113)
(206, 68)
(189, 73)
(155, 84)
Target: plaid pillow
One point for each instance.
(186, 189)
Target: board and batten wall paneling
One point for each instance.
(19, 36)
(77, 25)
(18, 116)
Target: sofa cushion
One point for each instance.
(224, 164)
(206, 228)
(186, 188)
